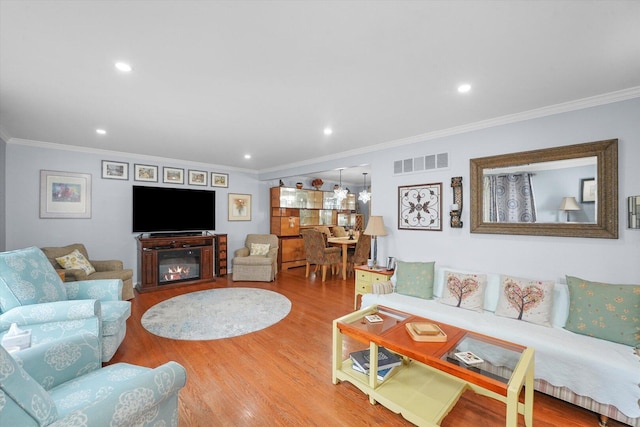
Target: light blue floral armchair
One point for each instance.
(33, 296)
(62, 383)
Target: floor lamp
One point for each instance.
(375, 228)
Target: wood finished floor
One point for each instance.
(281, 375)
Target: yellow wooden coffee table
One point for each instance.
(431, 378)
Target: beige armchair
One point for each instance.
(108, 269)
(256, 262)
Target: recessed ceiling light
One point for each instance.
(247, 156)
(101, 131)
(124, 67)
(328, 131)
(464, 88)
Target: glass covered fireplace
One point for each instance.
(178, 265)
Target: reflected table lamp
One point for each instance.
(375, 228)
(569, 204)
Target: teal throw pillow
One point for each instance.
(415, 279)
(605, 311)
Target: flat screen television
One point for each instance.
(173, 210)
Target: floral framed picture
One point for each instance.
(145, 173)
(173, 175)
(65, 194)
(239, 207)
(115, 170)
(420, 207)
(198, 177)
(219, 179)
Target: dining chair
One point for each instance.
(317, 252)
(361, 253)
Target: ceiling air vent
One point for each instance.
(429, 162)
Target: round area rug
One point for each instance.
(216, 313)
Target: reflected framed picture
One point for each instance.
(239, 207)
(219, 179)
(198, 177)
(588, 190)
(115, 170)
(146, 173)
(65, 194)
(420, 207)
(173, 176)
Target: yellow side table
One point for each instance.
(365, 278)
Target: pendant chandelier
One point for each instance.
(340, 192)
(365, 195)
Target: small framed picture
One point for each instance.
(145, 173)
(173, 175)
(65, 194)
(115, 170)
(239, 207)
(219, 179)
(197, 177)
(588, 190)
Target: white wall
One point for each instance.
(612, 260)
(107, 234)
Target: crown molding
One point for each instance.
(133, 156)
(4, 135)
(580, 104)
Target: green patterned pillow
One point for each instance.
(605, 311)
(415, 279)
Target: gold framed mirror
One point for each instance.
(603, 155)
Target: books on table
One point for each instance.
(386, 359)
(382, 373)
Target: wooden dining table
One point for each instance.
(344, 243)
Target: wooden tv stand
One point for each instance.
(151, 250)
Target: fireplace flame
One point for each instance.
(176, 273)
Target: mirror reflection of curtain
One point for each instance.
(509, 198)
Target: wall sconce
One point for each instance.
(456, 207)
(634, 212)
(569, 204)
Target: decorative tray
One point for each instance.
(435, 334)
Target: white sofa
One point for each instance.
(596, 374)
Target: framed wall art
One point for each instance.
(145, 173)
(173, 175)
(239, 207)
(198, 177)
(219, 179)
(588, 190)
(420, 207)
(115, 170)
(65, 194)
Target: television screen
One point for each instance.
(160, 209)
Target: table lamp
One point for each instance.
(375, 228)
(569, 204)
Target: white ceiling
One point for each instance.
(214, 80)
